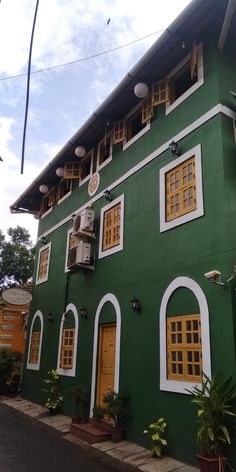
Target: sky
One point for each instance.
(61, 99)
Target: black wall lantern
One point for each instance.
(173, 147)
(135, 304)
(50, 317)
(83, 312)
(107, 195)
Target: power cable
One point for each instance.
(83, 59)
(28, 88)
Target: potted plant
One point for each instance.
(155, 432)
(81, 398)
(115, 407)
(214, 402)
(55, 398)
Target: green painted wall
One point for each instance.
(149, 262)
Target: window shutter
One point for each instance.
(52, 197)
(194, 61)
(147, 109)
(160, 92)
(72, 170)
(119, 131)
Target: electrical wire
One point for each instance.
(28, 88)
(83, 59)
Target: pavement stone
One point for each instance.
(124, 451)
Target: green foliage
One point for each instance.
(116, 406)
(16, 257)
(55, 398)
(10, 365)
(155, 433)
(214, 402)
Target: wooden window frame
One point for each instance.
(188, 215)
(70, 310)
(63, 189)
(34, 347)
(36, 365)
(110, 248)
(119, 132)
(44, 278)
(89, 155)
(200, 77)
(101, 143)
(147, 109)
(160, 92)
(72, 170)
(180, 190)
(67, 350)
(181, 348)
(111, 225)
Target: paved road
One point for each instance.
(29, 446)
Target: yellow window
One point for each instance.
(67, 348)
(72, 170)
(160, 92)
(184, 348)
(181, 189)
(111, 227)
(43, 263)
(147, 109)
(118, 132)
(34, 347)
(73, 241)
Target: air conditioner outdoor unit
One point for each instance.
(80, 254)
(84, 221)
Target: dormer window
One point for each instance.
(86, 167)
(104, 154)
(181, 81)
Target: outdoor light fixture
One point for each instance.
(60, 171)
(80, 151)
(43, 188)
(173, 147)
(43, 240)
(107, 195)
(83, 312)
(135, 304)
(50, 317)
(141, 90)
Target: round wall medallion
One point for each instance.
(16, 296)
(93, 184)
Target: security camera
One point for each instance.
(213, 275)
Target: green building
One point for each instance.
(134, 284)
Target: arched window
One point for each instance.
(66, 361)
(35, 342)
(184, 336)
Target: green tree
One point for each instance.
(16, 257)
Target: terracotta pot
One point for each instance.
(211, 464)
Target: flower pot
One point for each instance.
(211, 464)
(117, 434)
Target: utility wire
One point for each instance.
(83, 59)
(28, 88)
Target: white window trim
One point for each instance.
(40, 281)
(35, 366)
(200, 81)
(46, 213)
(109, 297)
(192, 215)
(104, 253)
(109, 159)
(87, 178)
(175, 385)
(60, 370)
(66, 195)
(146, 128)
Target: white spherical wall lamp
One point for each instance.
(60, 171)
(43, 188)
(80, 151)
(141, 90)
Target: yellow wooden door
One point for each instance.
(106, 362)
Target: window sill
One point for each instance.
(129, 143)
